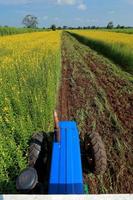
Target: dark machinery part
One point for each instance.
(95, 153)
(30, 180)
(33, 179)
(27, 180)
(35, 148)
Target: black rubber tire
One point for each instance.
(99, 153)
(100, 157)
(35, 148)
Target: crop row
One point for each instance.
(29, 76)
(14, 30)
(116, 46)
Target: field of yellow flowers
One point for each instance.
(29, 76)
(116, 46)
(30, 70)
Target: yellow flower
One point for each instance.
(1, 119)
(5, 109)
(6, 119)
(121, 39)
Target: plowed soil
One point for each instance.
(99, 96)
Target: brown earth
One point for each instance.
(93, 93)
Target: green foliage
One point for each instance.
(119, 54)
(97, 114)
(126, 30)
(27, 101)
(14, 30)
(110, 25)
(53, 27)
(30, 21)
(119, 30)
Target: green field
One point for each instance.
(95, 90)
(99, 95)
(116, 46)
(124, 30)
(14, 30)
(29, 78)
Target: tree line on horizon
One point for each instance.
(30, 21)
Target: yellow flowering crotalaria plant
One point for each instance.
(29, 75)
(116, 46)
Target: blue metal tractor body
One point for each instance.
(66, 168)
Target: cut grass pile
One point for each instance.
(99, 96)
(29, 76)
(116, 46)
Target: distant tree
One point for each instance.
(65, 27)
(53, 27)
(43, 27)
(110, 25)
(118, 26)
(93, 27)
(59, 28)
(30, 21)
(71, 28)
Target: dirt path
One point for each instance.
(99, 97)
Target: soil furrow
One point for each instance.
(85, 96)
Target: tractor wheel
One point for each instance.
(36, 147)
(96, 153)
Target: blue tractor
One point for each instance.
(57, 167)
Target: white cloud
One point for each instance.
(21, 2)
(68, 2)
(79, 3)
(82, 6)
(15, 2)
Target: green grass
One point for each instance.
(28, 91)
(121, 55)
(14, 30)
(124, 30)
(103, 118)
(119, 30)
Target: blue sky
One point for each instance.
(67, 12)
